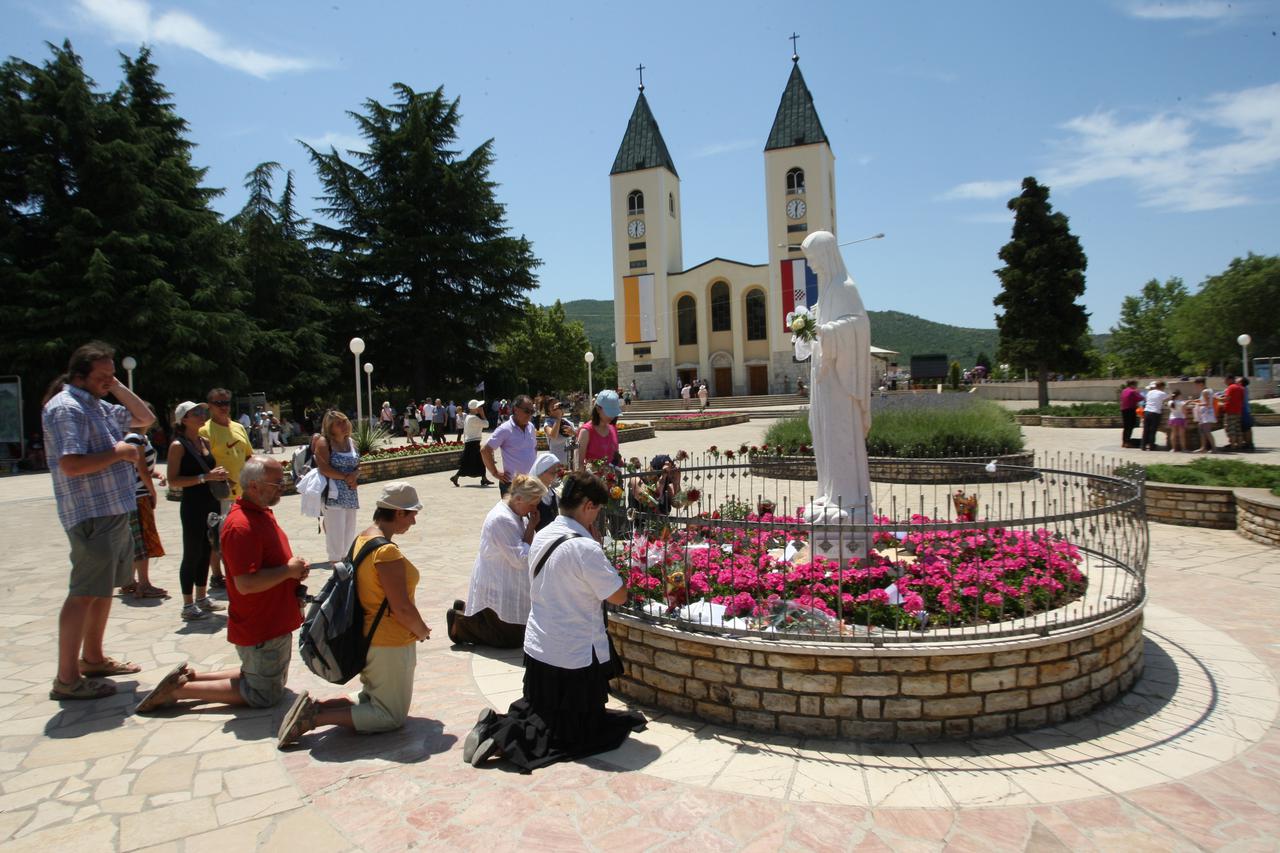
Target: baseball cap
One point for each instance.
(184, 409)
(609, 403)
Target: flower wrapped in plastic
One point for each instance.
(803, 323)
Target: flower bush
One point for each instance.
(693, 416)
(411, 450)
(947, 578)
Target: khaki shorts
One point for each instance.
(101, 556)
(264, 670)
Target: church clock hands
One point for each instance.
(636, 228)
(796, 208)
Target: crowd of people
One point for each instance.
(540, 580)
(1157, 410)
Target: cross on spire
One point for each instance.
(640, 68)
(795, 56)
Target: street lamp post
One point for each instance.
(129, 363)
(1243, 341)
(368, 378)
(879, 236)
(357, 347)
(588, 358)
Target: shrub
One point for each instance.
(979, 428)
(1218, 472)
(1076, 410)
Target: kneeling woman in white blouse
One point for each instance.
(497, 604)
(568, 661)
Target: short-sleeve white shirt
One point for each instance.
(500, 576)
(565, 624)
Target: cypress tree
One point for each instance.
(1042, 326)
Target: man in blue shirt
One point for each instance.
(93, 474)
(517, 441)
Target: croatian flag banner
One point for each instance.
(799, 288)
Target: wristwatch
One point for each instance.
(200, 478)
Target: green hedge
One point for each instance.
(1218, 472)
(981, 428)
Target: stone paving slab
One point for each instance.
(93, 776)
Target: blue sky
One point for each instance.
(1157, 125)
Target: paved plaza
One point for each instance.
(1189, 760)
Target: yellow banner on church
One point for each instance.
(640, 308)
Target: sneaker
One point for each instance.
(208, 605)
(193, 613)
(217, 582)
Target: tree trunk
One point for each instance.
(1042, 376)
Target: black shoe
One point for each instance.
(459, 604)
(484, 482)
(454, 480)
(476, 747)
(450, 616)
(217, 582)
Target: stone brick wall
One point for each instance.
(705, 423)
(1258, 516)
(878, 694)
(893, 470)
(1191, 506)
(1027, 420)
(1084, 422)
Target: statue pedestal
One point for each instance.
(832, 534)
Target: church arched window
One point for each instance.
(720, 307)
(757, 316)
(795, 181)
(686, 320)
(635, 202)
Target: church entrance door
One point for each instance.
(724, 381)
(758, 379)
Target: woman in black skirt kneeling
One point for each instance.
(568, 658)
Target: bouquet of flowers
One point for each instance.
(803, 323)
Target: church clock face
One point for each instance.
(635, 228)
(796, 208)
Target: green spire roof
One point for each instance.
(642, 146)
(797, 121)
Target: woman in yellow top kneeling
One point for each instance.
(387, 678)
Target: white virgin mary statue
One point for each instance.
(840, 382)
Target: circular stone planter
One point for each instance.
(1258, 516)
(1027, 420)
(921, 691)
(1191, 506)
(888, 469)
(700, 423)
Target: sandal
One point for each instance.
(298, 720)
(81, 688)
(108, 666)
(162, 693)
(151, 592)
(129, 589)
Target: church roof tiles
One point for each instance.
(797, 121)
(642, 146)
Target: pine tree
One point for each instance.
(419, 240)
(1043, 275)
(289, 354)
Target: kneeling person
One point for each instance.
(384, 577)
(263, 577)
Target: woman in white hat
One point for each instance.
(192, 468)
(549, 470)
(471, 464)
(598, 440)
(385, 582)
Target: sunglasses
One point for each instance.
(219, 402)
(199, 412)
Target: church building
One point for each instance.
(720, 320)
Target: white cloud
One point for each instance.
(344, 142)
(983, 190)
(1202, 159)
(1193, 10)
(1206, 157)
(135, 21)
(716, 148)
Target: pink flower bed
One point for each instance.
(957, 577)
(693, 416)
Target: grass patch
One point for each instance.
(1218, 472)
(980, 428)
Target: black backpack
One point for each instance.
(332, 641)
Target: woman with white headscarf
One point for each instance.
(840, 382)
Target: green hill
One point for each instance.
(904, 333)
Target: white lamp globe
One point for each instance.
(357, 345)
(1244, 340)
(589, 357)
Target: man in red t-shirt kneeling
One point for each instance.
(262, 584)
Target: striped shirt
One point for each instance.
(78, 423)
(137, 439)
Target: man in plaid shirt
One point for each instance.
(93, 473)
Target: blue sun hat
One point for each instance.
(609, 403)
